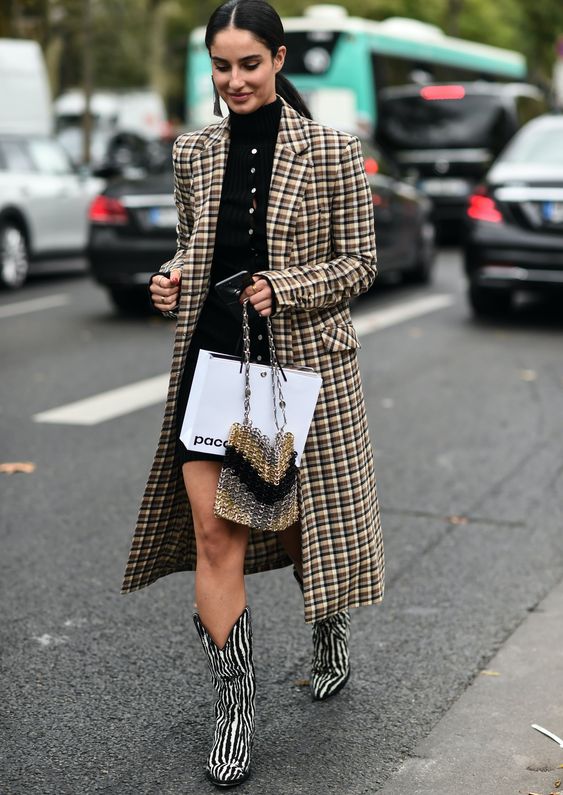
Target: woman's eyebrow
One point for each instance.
(246, 58)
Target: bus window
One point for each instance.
(309, 52)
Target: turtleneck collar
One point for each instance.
(262, 124)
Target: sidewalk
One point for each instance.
(485, 744)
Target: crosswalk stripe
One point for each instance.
(118, 402)
(108, 405)
(33, 305)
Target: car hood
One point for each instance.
(526, 173)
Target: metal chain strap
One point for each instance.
(277, 394)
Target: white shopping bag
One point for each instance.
(216, 400)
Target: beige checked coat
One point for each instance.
(321, 246)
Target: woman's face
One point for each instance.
(243, 69)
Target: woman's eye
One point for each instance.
(252, 66)
(221, 68)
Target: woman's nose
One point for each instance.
(236, 80)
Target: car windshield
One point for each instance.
(416, 122)
(537, 144)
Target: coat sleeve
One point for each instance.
(353, 268)
(185, 218)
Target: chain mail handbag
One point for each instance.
(259, 477)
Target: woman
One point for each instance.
(269, 191)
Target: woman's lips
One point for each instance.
(239, 97)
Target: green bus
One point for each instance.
(339, 63)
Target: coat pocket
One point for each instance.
(340, 337)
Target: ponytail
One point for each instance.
(287, 91)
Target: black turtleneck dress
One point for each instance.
(240, 244)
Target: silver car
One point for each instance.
(43, 208)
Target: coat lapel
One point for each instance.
(208, 169)
(291, 172)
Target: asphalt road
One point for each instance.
(101, 693)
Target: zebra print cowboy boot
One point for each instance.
(330, 666)
(232, 671)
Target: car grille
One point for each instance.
(533, 208)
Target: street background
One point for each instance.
(102, 693)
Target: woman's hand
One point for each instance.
(165, 292)
(260, 296)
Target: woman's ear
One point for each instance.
(279, 58)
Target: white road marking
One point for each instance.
(368, 322)
(118, 402)
(33, 305)
(75, 622)
(108, 405)
(51, 640)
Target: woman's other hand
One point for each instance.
(260, 296)
(165, 290)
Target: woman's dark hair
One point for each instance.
(263, 21)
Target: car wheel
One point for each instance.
(424, 262)
(14, 256)
(487, 302)
(130, 300)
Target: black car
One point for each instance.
(447, 135)
(514, 238)
(133, 230)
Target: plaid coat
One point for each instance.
(321, 245)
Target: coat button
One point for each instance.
(254, 151)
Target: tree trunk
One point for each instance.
(455, 7)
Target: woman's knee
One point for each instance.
(220, 544)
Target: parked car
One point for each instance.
(43, 208)
(43, 200)
(133, 230)
(447, 135)
(514, 220)
(404, 227)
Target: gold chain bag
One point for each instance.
(259, 478)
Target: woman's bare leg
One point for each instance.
(221, 549)
(291, 542)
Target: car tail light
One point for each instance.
(483, 208)
(442, 92)
(105, 210)
(371, 165)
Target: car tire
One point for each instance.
(130, 300)
(426, 251)
(14, 256)
(487, 302)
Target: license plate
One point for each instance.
(163, 217)
(553, 212)
(445, 187)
